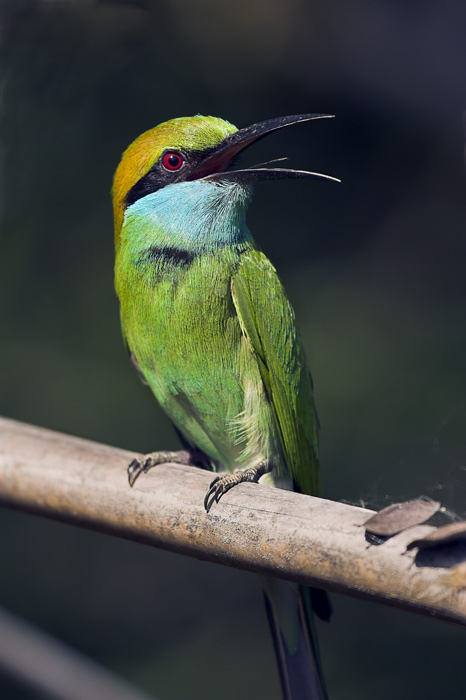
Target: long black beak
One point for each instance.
(214, 166)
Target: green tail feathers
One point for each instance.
(290, 613)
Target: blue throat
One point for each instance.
(198, 216)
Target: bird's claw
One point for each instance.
(143, 463)
(216, 490)
(138, 466)
(223, 483)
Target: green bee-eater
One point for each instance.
(209, 328)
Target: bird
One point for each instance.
(208, 326)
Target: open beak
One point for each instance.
(214, 166)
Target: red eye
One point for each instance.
(172, 160)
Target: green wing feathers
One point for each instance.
(267, 321)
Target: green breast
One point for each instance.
(180, 322)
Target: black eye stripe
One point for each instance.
(151, 182)
(159, 176)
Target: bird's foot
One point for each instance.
(224, 482)
(146, 462)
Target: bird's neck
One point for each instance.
(198, 216)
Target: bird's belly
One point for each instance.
(191, 350)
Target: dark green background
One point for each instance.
(375, 268)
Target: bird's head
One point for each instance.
(194, 148)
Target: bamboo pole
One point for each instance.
(269, 531)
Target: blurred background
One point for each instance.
(375, 268)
